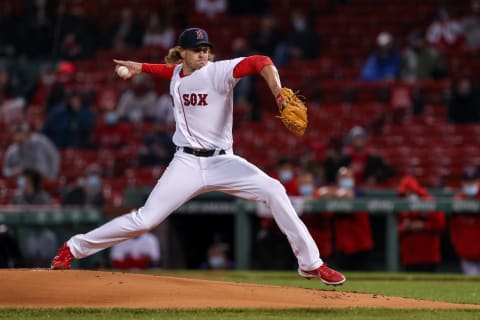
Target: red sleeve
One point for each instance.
(435, 222)
(251, 65)
(162, 70)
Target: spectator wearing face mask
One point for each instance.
(420, 231)
(30, 191)
(111, 133)
(464, 227)
(318, 223)
(86, 191)
(384, 63)
(218, 257)
(352, 232)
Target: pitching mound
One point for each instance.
(45, 288)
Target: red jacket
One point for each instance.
(353, 232)
(422, 245)
(465, 232)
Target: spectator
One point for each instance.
(125, 33)
(444, 32)
(218, 257)
(464, 102)
(138, 102)
(318, 223)
(464, 227)
(384, 63)
(158, 148)
(31, 150)
(471, 26)
(164, 110)
(87, 190)
(267, 37)
(30, 191)
(303, 42)
(420, 232)
(110, 133)
(353, 232)
(12, 102)
(78, 38)
(421, 61)
(368, 167)
(141, 252)
(70, 124)
(211, 9)
(159, 31)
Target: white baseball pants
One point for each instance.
(188, 176)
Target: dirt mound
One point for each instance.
(73, 288)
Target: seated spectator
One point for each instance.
(211, 8)
(444, 32)
(303, 42)
(464, 102)
(420, 231)
(86, 191)
(159, 31)
(218, 257)
(368, 167)
(125, 33)
(164, 111)
(141, 252)
(471, 26)
(110, 133)
(70, 124)
(31, 150)
(353, 232)
(464, 227)
(138, 103)
(267, 37)
(384, 63)
(30, 189)
(158, 148)
(317, 223)
(421, 61)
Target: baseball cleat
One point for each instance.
(63, 259)
(324, 273)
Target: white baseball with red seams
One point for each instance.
(203, 108)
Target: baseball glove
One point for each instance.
(293, 111)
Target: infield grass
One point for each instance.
(438, 287)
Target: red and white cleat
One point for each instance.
(324, 273)
(63, 259)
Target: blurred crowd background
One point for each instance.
(394, 104)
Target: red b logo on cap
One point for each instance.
(199, 34)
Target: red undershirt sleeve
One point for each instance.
(251, 65)
(161, 70)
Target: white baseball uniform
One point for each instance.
(203, 108)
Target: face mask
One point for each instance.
(346, 183)
(470, 190)
(21, 183)
(413, 197)
(216, 262)
(93, 182)
(306, 190)
(111, 118)
(285, 175)
(299, 25)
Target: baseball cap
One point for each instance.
(193, 37)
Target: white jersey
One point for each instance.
(203, 105)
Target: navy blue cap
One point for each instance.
(193, 37)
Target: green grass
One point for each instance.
(228, 314)
(438, 287)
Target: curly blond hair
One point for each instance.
(174, 57)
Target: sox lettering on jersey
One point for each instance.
(194, 99)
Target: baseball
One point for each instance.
(122, 71)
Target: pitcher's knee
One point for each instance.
(272, 189)
(143, 220)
